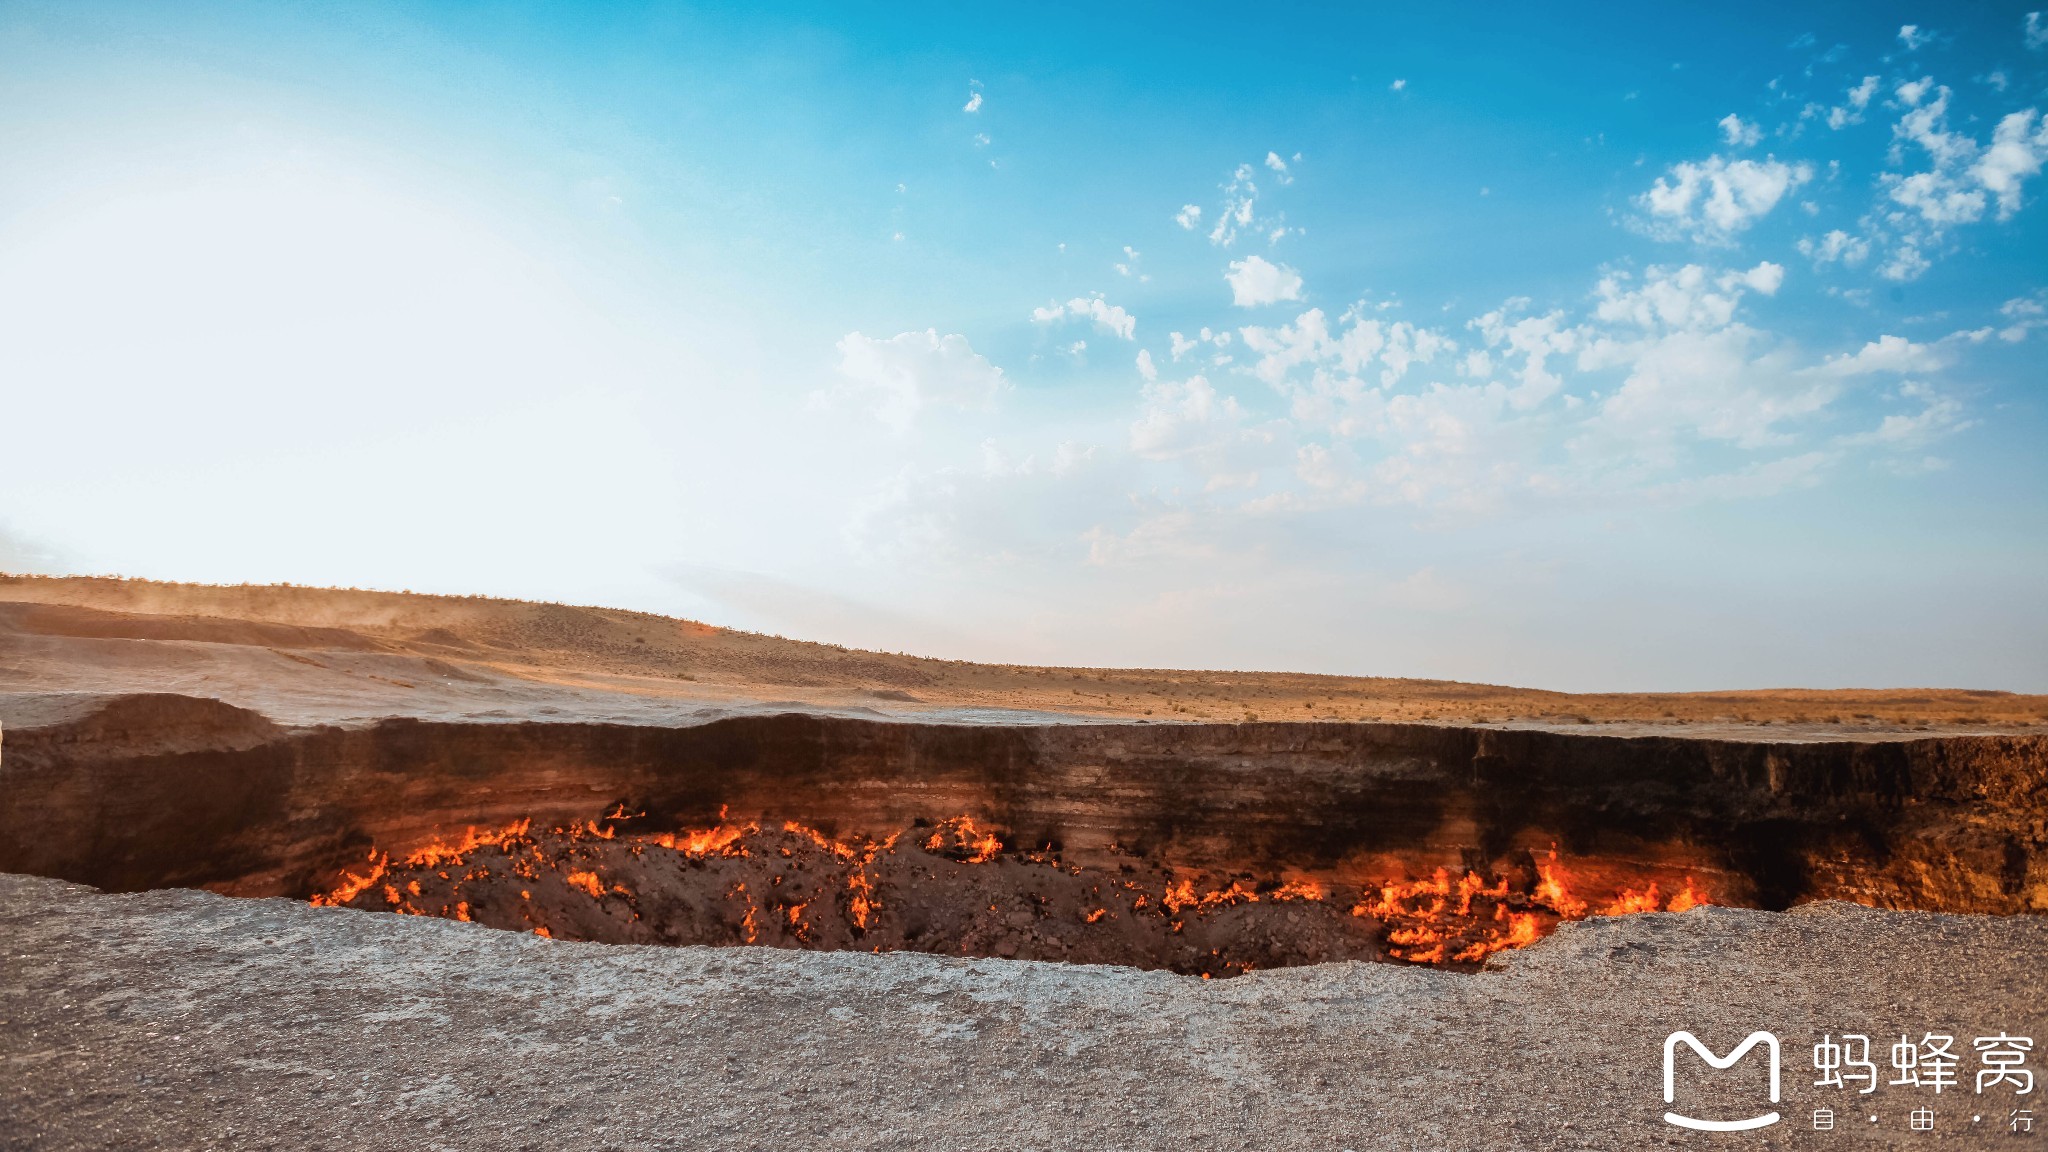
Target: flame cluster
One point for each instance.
(1441, 919)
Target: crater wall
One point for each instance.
(163, 790)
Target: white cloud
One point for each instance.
(907, 372)
(2034, 31)
(1531, 339)
(1188, 216)
(1110, 318)
(1339, 358)
(1714, 199)
(1239, 212)
(1397, 86)
(1906, 263)
(1961, 182)
(1179, 418)
(2023, 314)
(1240, 199)
(1912, 37)
(1739, 133)
(1715, 384)
(973, 103)
(1851, 112)
(1835, 246)
(1939, 415)
(1690, 298)
(1893, 354)
(1255, 280)
(2017, 147)
(1146, 368)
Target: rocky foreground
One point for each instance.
(182, 1019)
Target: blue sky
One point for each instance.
(1654, 348)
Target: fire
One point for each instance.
(963, 840)
(860, 899)
(1552, 889)
(352, 885)
(1629, 900)
(804, 888)
(1181, 894)
(1301, 890)
(1686, 899)
(718, 841)
(1465, 920)
(844, 852)
(437, 854)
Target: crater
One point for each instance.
(1202, 848)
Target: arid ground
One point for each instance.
(1439, 915)
(323, 654)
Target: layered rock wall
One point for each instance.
(161, 790)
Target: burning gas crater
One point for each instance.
(957, 888)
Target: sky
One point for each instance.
(1629, 347)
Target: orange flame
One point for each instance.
(1552, 889)
(970, 843)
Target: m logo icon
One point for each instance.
(1671, 1043)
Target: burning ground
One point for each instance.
(959, 888)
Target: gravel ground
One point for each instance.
(180, 1019)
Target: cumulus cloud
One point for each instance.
(1738, 133)
(1189, 216)
(1110, 318)
(1850, 111)
(1689, 298)
(1912, 37)
(1256, 281)
(907, 372)
(2023, 314)
(1178, 418)
(973, 103)
(2017, 147)
(1712, 200)
(1146, 368)
(1938, 415)
(1959, 180)
(1279, 167)
(1893, 354)
(1835, 246)
(1359, 342)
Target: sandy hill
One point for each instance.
(324, 653)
